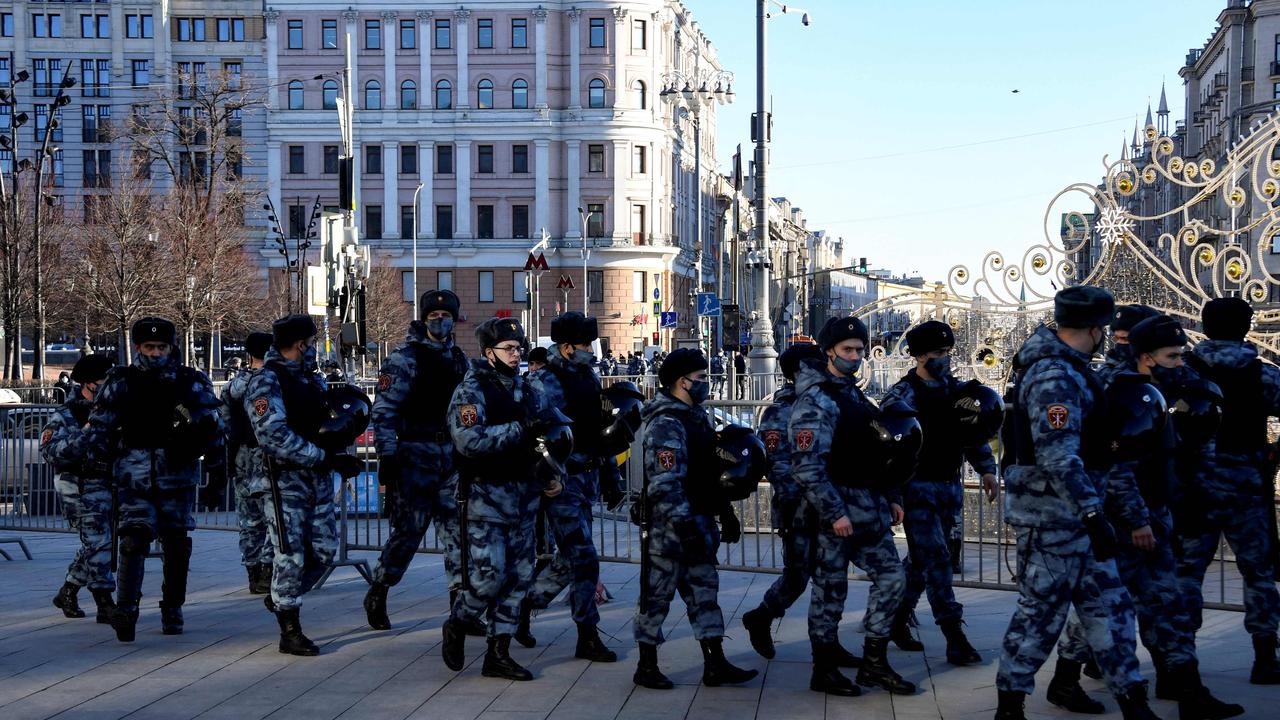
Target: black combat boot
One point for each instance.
(260, 579)
(826, 677)
(522, 634)
(843, 658)
(453, 649)
(1265, 671)
(124, 619)
(716, 670)
(66, 601)
(292, 641)
(1133, 705)
(875, 670)
(1010, 705)
(471, 628)
(959, 650)
(498, 662)
(375, 606)
(1167, 679)
(590, 647)
(900, 633)
(251, 571)
(1195, 702)
(1091, 669)
(647, 673)
(106, 604)
(1065, 691)
(173, 593)
(759, 625)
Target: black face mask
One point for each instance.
(1121, 353)
(502, 368)
(1102, 340)
(1164, 375)
(938, 368)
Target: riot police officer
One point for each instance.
(567, 382)
(150, 424)
(85, 495)
(285, 402)
(1054, 501)
(855, 509)
(1120, 356)
(250, 482)
(935, 495)
(681, 508)
(415, 452)
(1235, 496)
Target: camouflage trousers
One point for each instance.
(930, 523)
(251, 519)
(798, 564)
(1056, 570)
(699, 587)
(499, 569)
(420, 498)
(576, 564)
(879, 558)
(1245, 527)
(311, 532)
(86, 504)
(154, 511)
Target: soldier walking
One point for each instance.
(250, 481)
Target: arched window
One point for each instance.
(444, 95)
(520, 95)
(484, 94)
(595, 93)
(408, 95)
(295, 94)
(642, 98)
(330, 96)
(373, 95)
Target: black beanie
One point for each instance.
(257, 344)
(1127, 316)
(790, 359)
(839, 329)
(292, 328)
(679, 363)
(573, 327)
(493, 331)
(929, 336)
(151, 329)
(439, 300)
(538, 355)
(91, 368)
(1226, 318)
(1156, 332)
(1083, 306)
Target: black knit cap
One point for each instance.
(257, 344)
(539, 355)
(1083, 306)
(839, 329)
(1127, 316)
(790, 359)
(292, 328)
(681, 362)
(494, 331)
(91, 368)
(1226, 318)
(152, 329)
(573, 327)
(929, 336)
(439, 300)
(1156, 332)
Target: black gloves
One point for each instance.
(730, 528)
(348, 466)
(613, 498)
(1101, 536)
(389, 473)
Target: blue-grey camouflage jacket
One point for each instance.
(264, 403)
(666, 467)
(395, 383)
(980, 457)
(247, 459)
(773, 428)
(547, 391)
(1230, 473)
(62, 443)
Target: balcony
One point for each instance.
(1246, 74)
(1275, 69)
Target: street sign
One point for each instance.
(657, 307)
(708, 305)
(669, 320)
(566, 283)
(657, 293)
(538, 263)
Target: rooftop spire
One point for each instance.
(1163, 109)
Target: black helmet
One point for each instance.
(898, 437)
(742, 459)
(621, 403)
(1138, 413)
(348, 418)
(555, 445)
(979, 412)
(1195, 407)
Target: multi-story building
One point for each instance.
(498, 122)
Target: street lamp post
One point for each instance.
(415, 249)
(586, 286)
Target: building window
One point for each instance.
(297, 221)
(406, 285)
(637, 224)
(408, 159)
(295, 94)
(372, 34)
(597, 33)
(373, 159)
(595, 220)
(141, 73)
(595, 285)
(519, 221)
(96, 78)
(233, 72)
(6, 24)
(97, 168)
(595, 93)
(235, 122)
(373, 222)
(42, 122)
(519, 33)
(642, 95)
(408, 34)
(638, 35)
(484, 162)
(46, 25)
(408, 95)
(329, 34)
(443, 41)
(444, 223)
(295, 34)
(484, 221)
(297, 160)
(520, 95)
(329, 96)
(519, 286)
(484, 34)
(444, 159)
(139, 26)
(637, 286)
(486, 286)
(444, 95)
(330, 159)
(406, 221)
(96, 126)
(595, 158)
(230, 29)
(484, 94)
(444, 280)
(519, 158)
(638, 164)
(95, 26)
(373, 95)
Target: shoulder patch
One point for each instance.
(468, 416)
(772, 440)
(667, 459)
(384, 382)
(46, 436)
(1057, 415)
(804, 440)
(260, 406)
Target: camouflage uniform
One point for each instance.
(1057, 481)
(487, 417)
(86, 497)
(285, 402)
(793, 517)
(934, 498)
(409, 424)
(250, 476)
(683, 534)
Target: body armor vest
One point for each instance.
(849, 445)
(424, 412)
(1095, 441)
(1244, 420)
(147, 408)
(239, 428)
(941, 454)
(500, 407)
(700, 481)
(582, 405)
(304, 405)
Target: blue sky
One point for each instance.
(864, 98)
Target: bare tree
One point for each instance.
(386, 313)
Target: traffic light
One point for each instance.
(346, 183)
(730, 327)
(862, 265)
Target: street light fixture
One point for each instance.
(415, 249)
(586, 294)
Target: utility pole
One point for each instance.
(763, 357)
